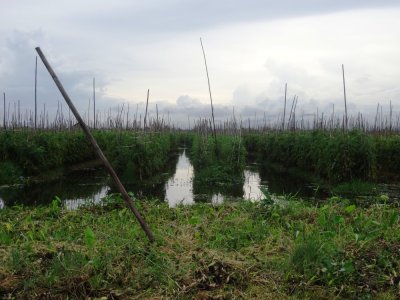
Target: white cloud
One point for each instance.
(251, 51)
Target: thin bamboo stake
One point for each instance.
(157, 117)
(390, 116)
(94, 103)
(209, 90)
(4, 113)
(147, 105)
(36, 92)
(284, 109)
(97, 149)
(88, 114)
(345, 98)
(291, 109)
(127, 118)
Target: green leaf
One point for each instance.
(349, 209)
(347, 268)
(393, 219)
(9, 227)
(194, 220)
(90, 238)
(384, 198)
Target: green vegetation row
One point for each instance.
(237, 250)
(24, 153)
(335, 156)
(217, 161)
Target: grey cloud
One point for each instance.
(17, 81)
(187, 102)
(174, 16)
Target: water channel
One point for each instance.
(175, 186)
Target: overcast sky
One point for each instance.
(253, 48)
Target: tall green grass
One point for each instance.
(335, 156)
(217, 160)
(137, 154)
(28, 153)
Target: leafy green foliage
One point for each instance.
(28, 153)
(336, 156)
(243, 248)
(217, 162)
(34, 152)
(137, 154)
(90, 238)
(9, 172)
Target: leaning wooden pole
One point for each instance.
(97, 149)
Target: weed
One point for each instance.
(335, 156)
(237, 250)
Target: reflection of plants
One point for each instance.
(355, 188)
(216, 183)
(9, 172)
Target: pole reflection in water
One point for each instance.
(95, 198)
(251, 186)
(217, 199)
(179, 189)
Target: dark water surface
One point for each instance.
(174, 185)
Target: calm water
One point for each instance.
(175, 186)
(179, 188)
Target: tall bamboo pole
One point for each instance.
(94, 103)
(284, 109)
(97, 149)
(4, 115)
(209, 90)
(147, 105)
(36, 92)
(345, 98)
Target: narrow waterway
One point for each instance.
(175, 186)
(179, 188)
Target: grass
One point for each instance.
(26, 153)
(237, 250)
(356, 188)
(335, 156)
(217, 162)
